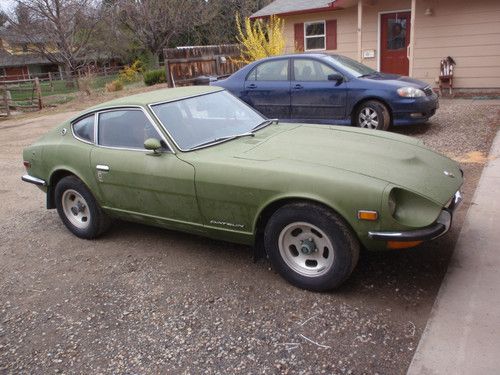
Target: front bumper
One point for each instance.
(414, 111)
(440, 227)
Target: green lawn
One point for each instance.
(59, 88)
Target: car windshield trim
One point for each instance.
(216, 140)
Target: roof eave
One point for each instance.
(330, 7)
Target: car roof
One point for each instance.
(307, 54)
(157, 96)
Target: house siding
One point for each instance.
(468, 31)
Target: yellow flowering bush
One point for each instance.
(260, 38)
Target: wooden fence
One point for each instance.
(184, 64)
(7, 105)
(58, 76)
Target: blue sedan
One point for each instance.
(331, 89)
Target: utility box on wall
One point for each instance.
(368, 54)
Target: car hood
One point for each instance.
(393, 158)
(396, 80)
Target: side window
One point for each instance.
(311, 70)
(127, 128)
(84, 128)
(276, 70)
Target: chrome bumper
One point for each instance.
(440, 227)
(33, 180)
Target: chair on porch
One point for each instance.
(446, 74)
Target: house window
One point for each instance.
(315, 35)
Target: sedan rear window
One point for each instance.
(84, 128)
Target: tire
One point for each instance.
(372, 114)
(310, 246)
(79, 210)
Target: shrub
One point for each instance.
(115, 85)
(131, 73)
(86, 83)
(153, 77)
(259, 38)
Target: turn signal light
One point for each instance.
(27, 164)
(402, 244)
(367, 215)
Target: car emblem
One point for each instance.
(64, 131)
(449, 174)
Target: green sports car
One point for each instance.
(199, 160)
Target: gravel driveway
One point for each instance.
(146, 300)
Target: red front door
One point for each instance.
(394, 42)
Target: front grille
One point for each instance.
(428, 91)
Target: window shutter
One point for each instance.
(331, 34)
(299, 37)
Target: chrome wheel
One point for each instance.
(75, 209)
(306, 249)
(368, 118)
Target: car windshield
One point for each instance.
(355, 68)
(207, 119)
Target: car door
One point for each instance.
(136, 182)
(313, 95)
(267, 88)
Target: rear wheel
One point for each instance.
(78, 209)
(310, 246)
(372, 114)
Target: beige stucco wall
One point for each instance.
(469, 31)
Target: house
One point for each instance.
(16, 62)
(408, 37)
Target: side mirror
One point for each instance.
(152, 144)
(337, 77)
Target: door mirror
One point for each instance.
(337, 77)
(152, 144)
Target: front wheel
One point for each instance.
(310, 246)
(78, 209)
(372, 114)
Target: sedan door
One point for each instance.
(267, 88)
(138, 183)
(313, 95)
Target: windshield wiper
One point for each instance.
(264, 123)
(222, 139)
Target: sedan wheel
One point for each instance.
(372, 115)
(368, 118)
(311, 246)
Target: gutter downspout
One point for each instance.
(412, 36)
(360, 25)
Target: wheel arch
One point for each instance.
(356, 106)
(271, 207)
(55, 176)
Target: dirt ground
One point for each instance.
(145, 300)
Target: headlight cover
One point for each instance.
(392, 203)
(410, 92)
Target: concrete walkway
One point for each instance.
(463, 333)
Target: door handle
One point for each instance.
(101, 167)
(252, 86)
(298, 87)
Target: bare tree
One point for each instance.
(154, 24)
(59, 30)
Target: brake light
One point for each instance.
(27, 164)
